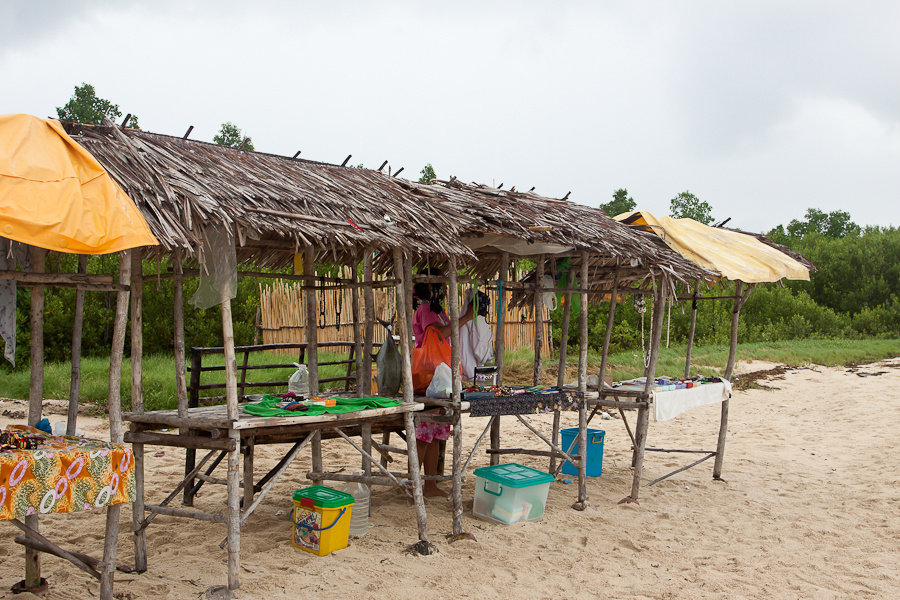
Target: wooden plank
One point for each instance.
(186, 513)
(178, 440)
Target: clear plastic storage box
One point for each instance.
(510, 493)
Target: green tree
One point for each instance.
(835, 224)
(85, 107)
(688, 206)
(620, 203)
(426, 175)
(230, 135)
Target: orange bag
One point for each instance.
(435, 349)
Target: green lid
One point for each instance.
(514, 475)
(324, 497)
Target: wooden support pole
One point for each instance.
(499, 345)
(561, 367)
(178, 314)
(357, 338)
(691, 330)
(137, 405)
(456, 398)
(643, 419)
(740, 298)
(114, 408)
(402, 272)
(77, 328)
(365, 433)
(538, 321)
(233, 512)
(610, 325)
(369, 320)
(312, 339)
(585, 284)
(35, 398)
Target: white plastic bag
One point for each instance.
(441, 385)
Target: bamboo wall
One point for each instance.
(282, 316)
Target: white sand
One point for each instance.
(811, 509)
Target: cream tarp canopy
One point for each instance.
(737, 256)
(55, 195)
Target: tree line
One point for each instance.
(854, 293)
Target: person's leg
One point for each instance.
(430, 457)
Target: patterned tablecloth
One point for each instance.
(66, 474)
(524, 404)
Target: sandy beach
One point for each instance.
(810, 509)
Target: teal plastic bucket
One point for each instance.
(594, 465)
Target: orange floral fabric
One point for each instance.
(66, 474)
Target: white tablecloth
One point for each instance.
(668, 405)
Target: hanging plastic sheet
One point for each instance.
(11, 253)
(218, 270)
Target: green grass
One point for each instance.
(159, 380)
(709, 360)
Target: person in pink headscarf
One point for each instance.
(428, 302)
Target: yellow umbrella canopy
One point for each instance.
(55, 195)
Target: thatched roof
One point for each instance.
(277, 205)
(479, 210)
(274, 203)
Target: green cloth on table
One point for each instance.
(268, 406)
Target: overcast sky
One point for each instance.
(761, 108)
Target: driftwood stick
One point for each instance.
(34, 539)
(77, 329)
(87, 560)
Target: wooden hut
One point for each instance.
(270, 209)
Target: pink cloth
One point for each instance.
(428, 432)
(425, 317)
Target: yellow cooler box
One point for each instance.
(321, 519)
